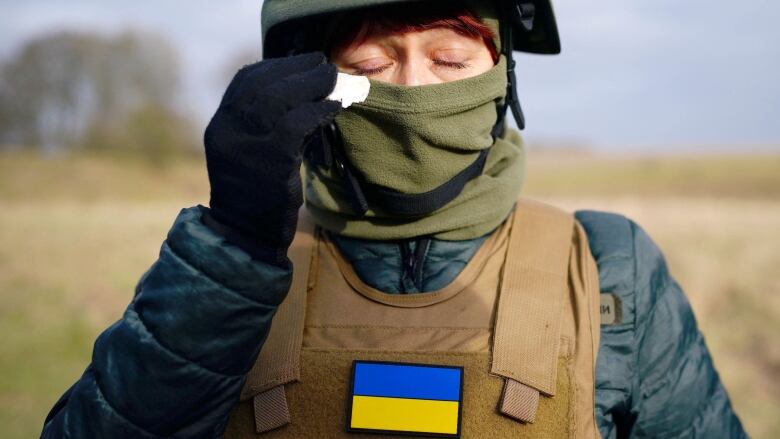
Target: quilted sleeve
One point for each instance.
(174, 365)
(676, 390)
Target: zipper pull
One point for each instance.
(423, 244)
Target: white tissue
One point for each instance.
(350, 89)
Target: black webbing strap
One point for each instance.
(523, 14)
(361, 192)
(422, 204)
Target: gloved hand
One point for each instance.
(254, 147)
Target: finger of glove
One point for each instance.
(289, 93)
(259, 76)
(236, 82)
(301, 122)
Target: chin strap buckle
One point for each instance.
(525, 13)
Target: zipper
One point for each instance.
(412, 262)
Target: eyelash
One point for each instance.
(374, 71)
(441, 63)
(451, 64)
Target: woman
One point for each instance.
(428, 300)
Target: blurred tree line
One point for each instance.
(72, 91)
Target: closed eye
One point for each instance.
(450, 64)
(371, 71)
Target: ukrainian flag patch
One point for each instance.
(404, 398)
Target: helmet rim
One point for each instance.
(281, 21)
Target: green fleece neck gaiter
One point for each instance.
(412, 140)
(422, 136)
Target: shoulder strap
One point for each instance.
(279, 360)
(534, 285)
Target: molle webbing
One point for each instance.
(279, 360)
(534, 286)
(318, 401)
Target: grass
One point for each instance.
(574, 173)
(76, 233)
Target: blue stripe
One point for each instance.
(407, 381)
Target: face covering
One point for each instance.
(414, 139)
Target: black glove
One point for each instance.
(254, 145)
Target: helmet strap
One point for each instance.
(523, 14)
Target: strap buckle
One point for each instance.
(525, 14)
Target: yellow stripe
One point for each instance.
(397, 414)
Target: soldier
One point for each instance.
(415, 293)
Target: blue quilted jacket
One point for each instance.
(174, 365)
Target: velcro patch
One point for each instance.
(611, 309)
(405, 398)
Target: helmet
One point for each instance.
(531, 22)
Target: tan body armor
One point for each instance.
(521, 319)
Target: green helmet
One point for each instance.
(531, 23)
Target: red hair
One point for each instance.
(356, 27)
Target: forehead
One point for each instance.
(443, 35)
(371, 23)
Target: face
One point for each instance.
(432, 56)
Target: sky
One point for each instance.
(654, 75)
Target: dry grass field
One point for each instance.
(76, 234)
